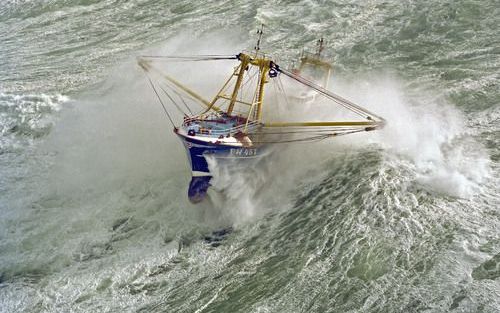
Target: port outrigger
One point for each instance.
(231, 125)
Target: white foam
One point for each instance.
(425, 129)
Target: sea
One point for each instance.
(94, 213)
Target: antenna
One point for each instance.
(259, 32)
(320, 43)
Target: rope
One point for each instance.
(171, 99)
(282, 88)
(314, 138)
(184, 102)
(343, 102)
(173, 88)
(159, 99)
(276, 99)
(245, 86)
(310, 131)
(178, 95)
(309, 139)
(179, 58)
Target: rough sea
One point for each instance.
(94, 215)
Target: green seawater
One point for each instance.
(94, 215)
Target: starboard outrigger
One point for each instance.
(231, 125)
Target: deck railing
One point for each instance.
(204, 131)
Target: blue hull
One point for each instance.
(197, 150)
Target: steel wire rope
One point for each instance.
(336, 98)
(308, 139)
(224, 88)
(181, 58)
(161, 102)
(277, 94)
(173, 101)
(174, 88)
(282, 88)
(249, 78)
(310, 131)
(182, 99)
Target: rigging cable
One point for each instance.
(159, 99)
(180, 94)
(175, 58)
(307, 139)
(282, 89)
(184, 102)
(173, 101)
(343, 102)
(182, 99)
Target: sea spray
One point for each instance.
(423, 128)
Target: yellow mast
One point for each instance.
(243, 66)
(264, 66)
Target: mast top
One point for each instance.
(321, 47)
(259, 32)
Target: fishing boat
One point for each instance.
(315, 67)
(232, 125)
